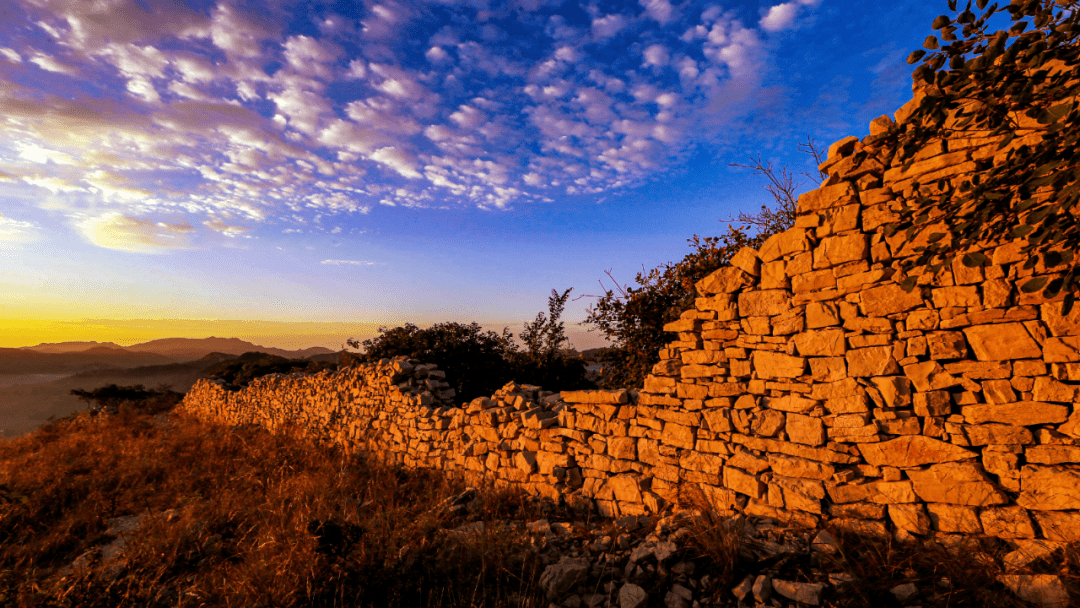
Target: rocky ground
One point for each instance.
(689, 559)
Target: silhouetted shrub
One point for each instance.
(248, 366)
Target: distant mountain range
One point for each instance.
(93, 355)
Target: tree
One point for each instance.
(112, 398)
(475, 362)
(1019, 85)
(544, 361)
(478, 363)
(633, 317)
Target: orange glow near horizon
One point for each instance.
(16, 332)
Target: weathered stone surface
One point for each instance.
(913, 451)
(957, 296)
(929, 376)
(1046, 590)
(821, 314)
(792, 466)
(888, 299)
(620, 396)
(725, 280)
(946, 345)
(792, 240)
(836, 250)
(632, 596)
(953, 518)
(623, 448)
(821, 342)
(805, 430)
(804, 593)
(1049, 389)
(957, 483)
(1006, 522)
(1062, 350)
(823, 198)
(768, 423)
(770, 365)
(1059, 526)
(1049, 488)
(910, 517)
(998, 434)
(747, 260)
(743, 482)
(1023, 413)
(764, 303)
(558, 578)
(896, 391)
(792, 403)
(1002, 341)
(1052, 454)
(872, 361)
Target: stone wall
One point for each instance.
(805, 385)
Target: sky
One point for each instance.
(298, 173)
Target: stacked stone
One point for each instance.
(950, 409)
(806, 385)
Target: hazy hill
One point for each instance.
(176, 349)
(69, 347)
(26, 361)
(194, 348)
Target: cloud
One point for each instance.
(219, 225)
(660, 10)
(782, 16)
(125, 233)
(347, 263)
(655, 55)
(397, 159)
(50, 64)
(15, 232)
(608, 25)
(231, 113)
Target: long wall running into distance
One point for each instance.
(805, 385)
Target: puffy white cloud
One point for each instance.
(660, 10)
(655, 55)
(11, 55)
(436, 54)
(780, 17)
(402, 161)
(118, 231)
(609, 25)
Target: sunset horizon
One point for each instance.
(306, 162)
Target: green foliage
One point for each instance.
(248, 366)
(633, 317)
(1019, 82)
(136, 398)
(478, 363)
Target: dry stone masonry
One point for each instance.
(805, 386)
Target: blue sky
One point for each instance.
(384, 162)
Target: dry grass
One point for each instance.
(257, 520)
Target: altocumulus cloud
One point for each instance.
(142, 109)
